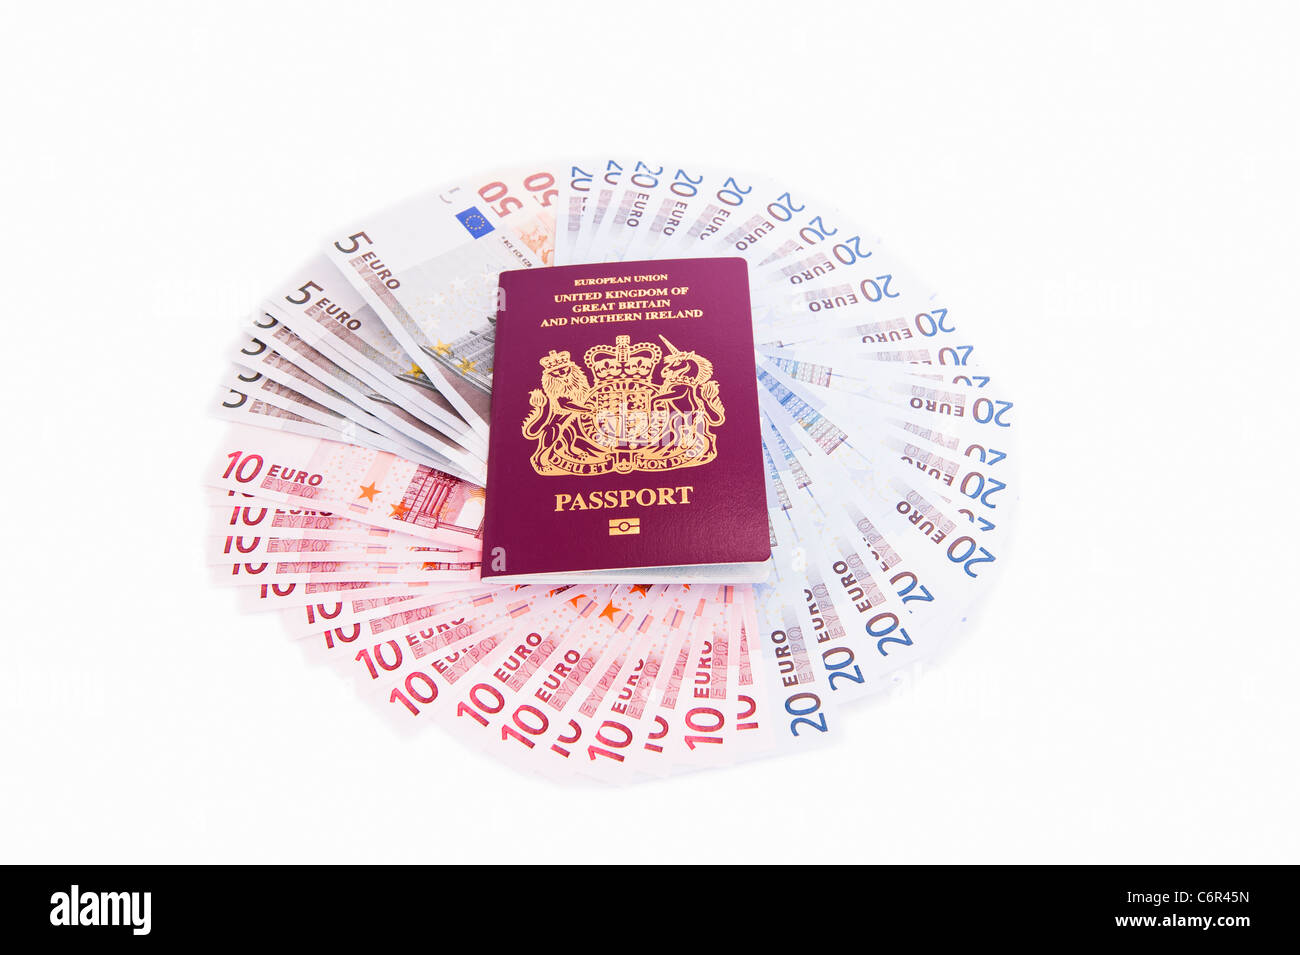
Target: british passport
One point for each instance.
(625, 441)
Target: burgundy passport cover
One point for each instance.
(625, 429)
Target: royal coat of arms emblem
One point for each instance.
(632, 414)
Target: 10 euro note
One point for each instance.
(373, 487)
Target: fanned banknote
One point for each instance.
(348, 494)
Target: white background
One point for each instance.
(1108, 190)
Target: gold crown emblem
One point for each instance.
(624, 360)
(554, 360)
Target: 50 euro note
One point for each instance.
(365, 485)
(429, 268)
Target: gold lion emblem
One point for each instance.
(622, 419)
